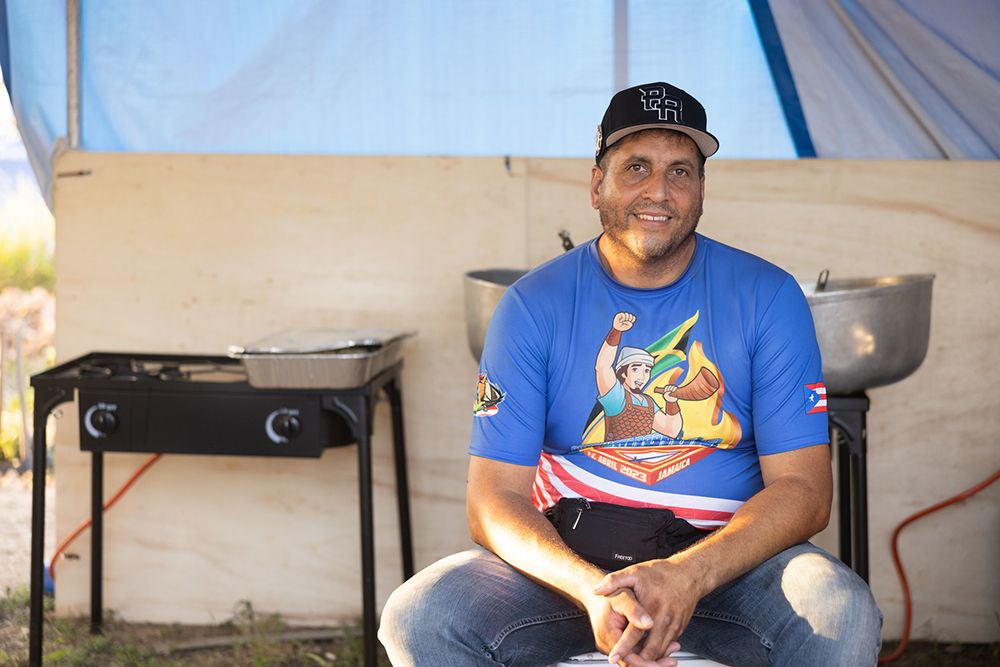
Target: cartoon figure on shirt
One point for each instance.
(621, 376)
(488, 397)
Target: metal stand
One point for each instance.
(46, 400)
(355, 405)
(849, 434)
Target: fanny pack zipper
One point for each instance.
(579, 512)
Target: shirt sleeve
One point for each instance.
(787, 376)
(514, 364)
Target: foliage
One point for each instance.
(25, 263)
(10, 428)
(26, 328)
(27, 242)
(27, 233)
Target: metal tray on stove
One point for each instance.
(320, 358)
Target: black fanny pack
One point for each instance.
(614, 536)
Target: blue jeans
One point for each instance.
(800, 608)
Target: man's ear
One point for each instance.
(596, 176)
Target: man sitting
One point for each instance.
(698, 462)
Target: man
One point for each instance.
(749, 467)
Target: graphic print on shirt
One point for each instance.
(652, 419)
(488, 397)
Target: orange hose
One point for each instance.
(907, 602)
(86, 523)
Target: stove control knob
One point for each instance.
(105, 422)
(282, 425)
(287, 426)
(100, 420)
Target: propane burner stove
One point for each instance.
(199, 404)
(193, 404)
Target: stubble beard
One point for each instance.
(650, 251)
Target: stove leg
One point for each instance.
(35, 627)
(96, 542)
(357, 409)
(402, 485)
(46, 401)
(367, 546)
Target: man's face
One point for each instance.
(649, 195)
(636, 377)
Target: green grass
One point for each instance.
(251, 637)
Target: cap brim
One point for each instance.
(707, 144)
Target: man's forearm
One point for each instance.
(509, 525)
(785, 513)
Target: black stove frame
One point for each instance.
(229, 418)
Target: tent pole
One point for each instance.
(73, 73)
(621, 44)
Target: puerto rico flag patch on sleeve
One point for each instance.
(815, 398)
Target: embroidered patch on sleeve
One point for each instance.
(488, 397)
(815, 398)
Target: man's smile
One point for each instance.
(649, 217)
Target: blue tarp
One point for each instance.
(387, 77)
(780, 78)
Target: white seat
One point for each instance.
(684, 659)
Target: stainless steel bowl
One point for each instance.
(483, 290)
(871, 331)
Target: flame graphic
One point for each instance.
(594, 433)
(706, 419)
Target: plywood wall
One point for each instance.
(188, 253)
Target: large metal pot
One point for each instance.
(871, 331)
(483, 290)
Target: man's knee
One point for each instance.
(834, 608)
(399, 621)
(413, 613)
(432, 612)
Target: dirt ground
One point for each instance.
(15, 526)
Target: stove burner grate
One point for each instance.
(180, 370)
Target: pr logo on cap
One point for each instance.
(650, 106)
(667, 107)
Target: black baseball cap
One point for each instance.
(654, 105)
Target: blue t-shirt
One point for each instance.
(707, 374)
